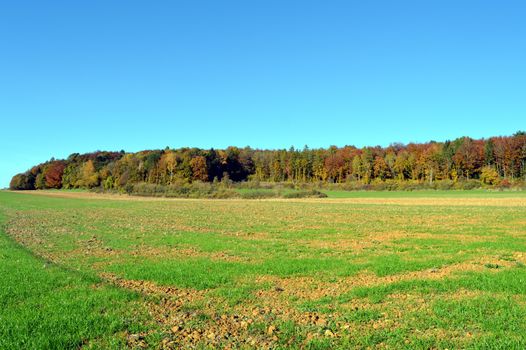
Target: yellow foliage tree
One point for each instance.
(88, 175)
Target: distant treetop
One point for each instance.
(463, 158)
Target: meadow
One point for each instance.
(423, 269)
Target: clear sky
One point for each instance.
(79, 76)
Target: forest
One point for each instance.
(495, 161)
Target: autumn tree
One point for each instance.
(489, 175)
(25, 181)
(367, 164)
(380, 168)
(88, 176)
(357, 168)
(40, 181)
(53, 174)
(463, 158)
(199, 171)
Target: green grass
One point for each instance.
(426, 194)
(45, 306)
(372, 271)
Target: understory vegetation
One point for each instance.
(220, 191)
(261, 190)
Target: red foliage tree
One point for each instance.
(53, 174)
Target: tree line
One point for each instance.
(491, 161)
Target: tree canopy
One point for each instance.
(502, 157)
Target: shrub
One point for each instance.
(444, 184)
(193, 190)
(257, 194)
(305, 194)
(467, 185)
(505, 184)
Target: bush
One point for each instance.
(305, 194)
(467, 185)
(223, 194)
(504, 184)
(259, 194)
(250, 189)
(406, 185)
(129, 188)
(444, 185)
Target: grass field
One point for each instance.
(358, 270)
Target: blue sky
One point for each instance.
(79, 76)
